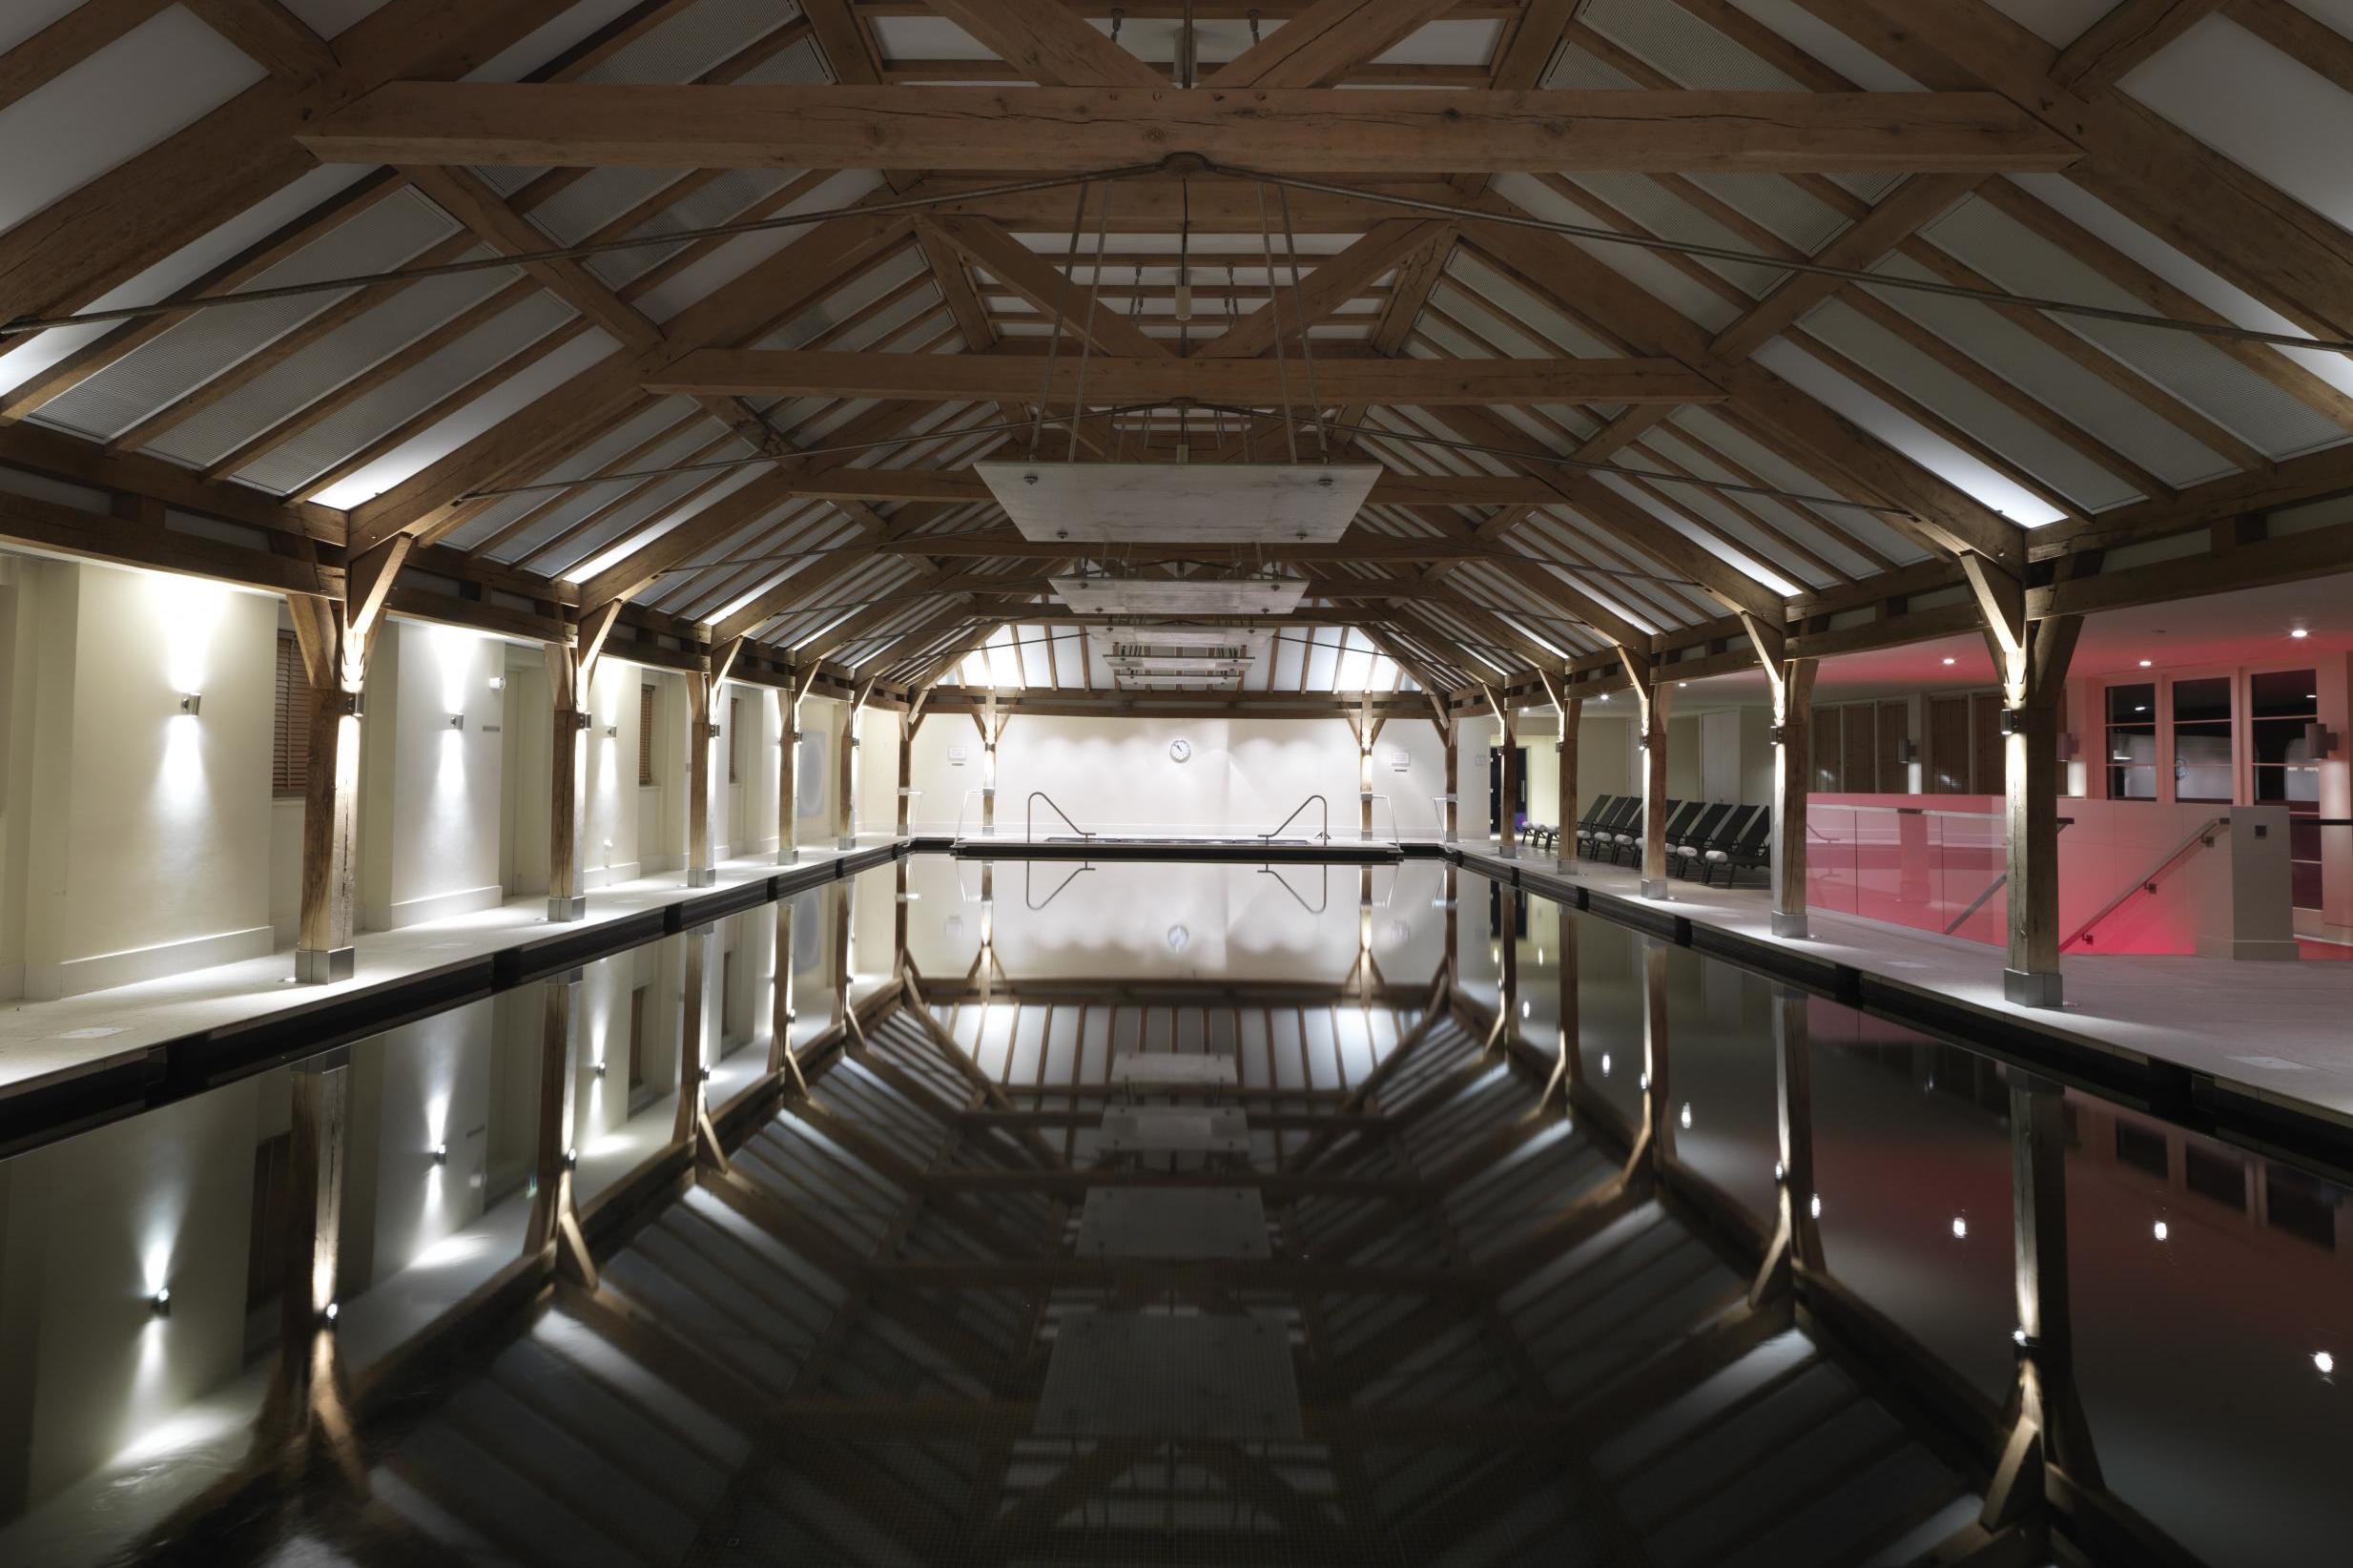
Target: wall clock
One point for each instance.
(1179, 749)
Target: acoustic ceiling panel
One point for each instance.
(1226, 502)
(1180, 595)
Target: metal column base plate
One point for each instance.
(1166, 1129)
(2032, 990)
(1164, 1223)
(1149, 1375)
(323, 965)
(1165, 1068)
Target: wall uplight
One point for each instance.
(498, 683)
(191, 702)
(332, 1310)
(457, 721)
(160, 1303)
(1952, 661)
(598, 1069)
(441, 1154)
(612, 732)
(2299, 633)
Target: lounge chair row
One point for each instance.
(1701, 838)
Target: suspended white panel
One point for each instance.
(1229, 503)
(1180, 596)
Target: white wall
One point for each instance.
(1242, 775)
(142, 841)
(431, 795)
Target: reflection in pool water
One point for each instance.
(1155, 1213)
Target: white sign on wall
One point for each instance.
(1399, 761)
(956, 757)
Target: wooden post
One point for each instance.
(1507, 965)
(1797, 1235)
(991, 727)
(783, 1013)
(1650, 697)
(572, 669)
(305, 1410)
(845, 804)
(1367, 732)
(1507, 785)
(2031, 658)
(336, 638)
(788, 777)
(2047, 1423)
(1572, 714)
(700, 872)
(556, 1223)
(1453, 780)
(692, 1125)
(907, 727)
(1790, 682)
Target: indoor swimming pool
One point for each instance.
(1020, 1211)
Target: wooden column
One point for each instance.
(1367, 731)
(1650, 698)
(1797, 1235)
(1507, 777)
(693, 1125)
(571, 672)
(991, 727)
(555, 1224)
(907, 727)
(700, 873)
(1790, 682)
(787, 774)
(2046, 1424)
(1447, 732)
(305, 1409)
(336, 637)
(845, 801)
(2031, 658)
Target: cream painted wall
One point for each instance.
(527, 754)
(153, 854)
(1243, 774)
(608, 813)
(430, 792)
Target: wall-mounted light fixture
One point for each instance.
(160, 1303)
(1907, 750)
(191, 702)
(1772, 734)
(498, 683)
(329, 1314)
(598, 1068)
(612, 732)
(457, 721)
(571, 1159)
(2012, 721)
(441, 1154)
(2299, 632)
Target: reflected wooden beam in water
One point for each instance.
(555, 1226)
(1797, 1233)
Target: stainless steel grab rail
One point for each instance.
(1310, 800)
(1029, 816)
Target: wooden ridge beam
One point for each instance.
(1013, 377)
(1076, 130)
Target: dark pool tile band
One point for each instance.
(46, 1110)
(2294, 1130)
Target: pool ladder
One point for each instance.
(1312, 800)
(1029, 816)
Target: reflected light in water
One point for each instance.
(2326, 1362)
(1960, 1229)
(451, 1249)
(2160, 1230)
